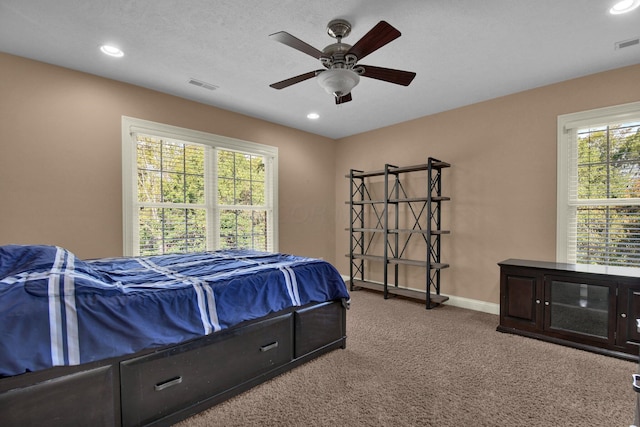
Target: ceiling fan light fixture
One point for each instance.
(338, 81)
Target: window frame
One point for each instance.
(132, 126)
(568, 124)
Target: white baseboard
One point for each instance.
(462, 302)
(474, 304)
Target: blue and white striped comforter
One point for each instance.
(58, 310)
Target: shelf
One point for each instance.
(366, 174)
(406, 230)
(407, 169)
(436, 164)
(403, 261)
(368, 257)
(394, 201)
(405, 211)
(365, 202)
(410, 200)
(409, 293)
(418, 263)
(413, 231)
(367, 230)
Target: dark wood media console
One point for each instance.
(589, 307)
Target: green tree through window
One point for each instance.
(194, 197)
(608, 174)
(241, 197)
(171, 193)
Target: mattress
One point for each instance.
(58, 310)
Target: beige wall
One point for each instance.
(60, 168)
(60, 160)
(502, 180)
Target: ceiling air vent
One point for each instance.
(202, 84)
(628, 43)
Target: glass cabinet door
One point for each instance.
(579, 307)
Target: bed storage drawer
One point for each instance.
(156, 385)
(84, 398)
(317, 326)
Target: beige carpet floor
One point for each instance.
(408, 366)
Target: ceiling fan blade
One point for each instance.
(294, 42)
(294, 80)
(343, 99)
(398, 77)
(377, 37)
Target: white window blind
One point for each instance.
(188, 191)
(242, 200)
(599, 187)
(171, 196)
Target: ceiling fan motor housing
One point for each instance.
(335, 56)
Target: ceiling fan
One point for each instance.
(342, 71)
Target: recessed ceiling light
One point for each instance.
(624, 6)
(313, 116)
(111, 51)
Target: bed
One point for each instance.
(152, 340)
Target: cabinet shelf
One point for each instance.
(401, 216)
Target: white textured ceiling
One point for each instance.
(463, 51)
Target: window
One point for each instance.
(188, 191)
(599, 187)
(241, 200)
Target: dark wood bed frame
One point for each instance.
(166, 385)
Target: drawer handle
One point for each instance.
(168, 383)
(269, 346)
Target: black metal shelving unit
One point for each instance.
(384, 230)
